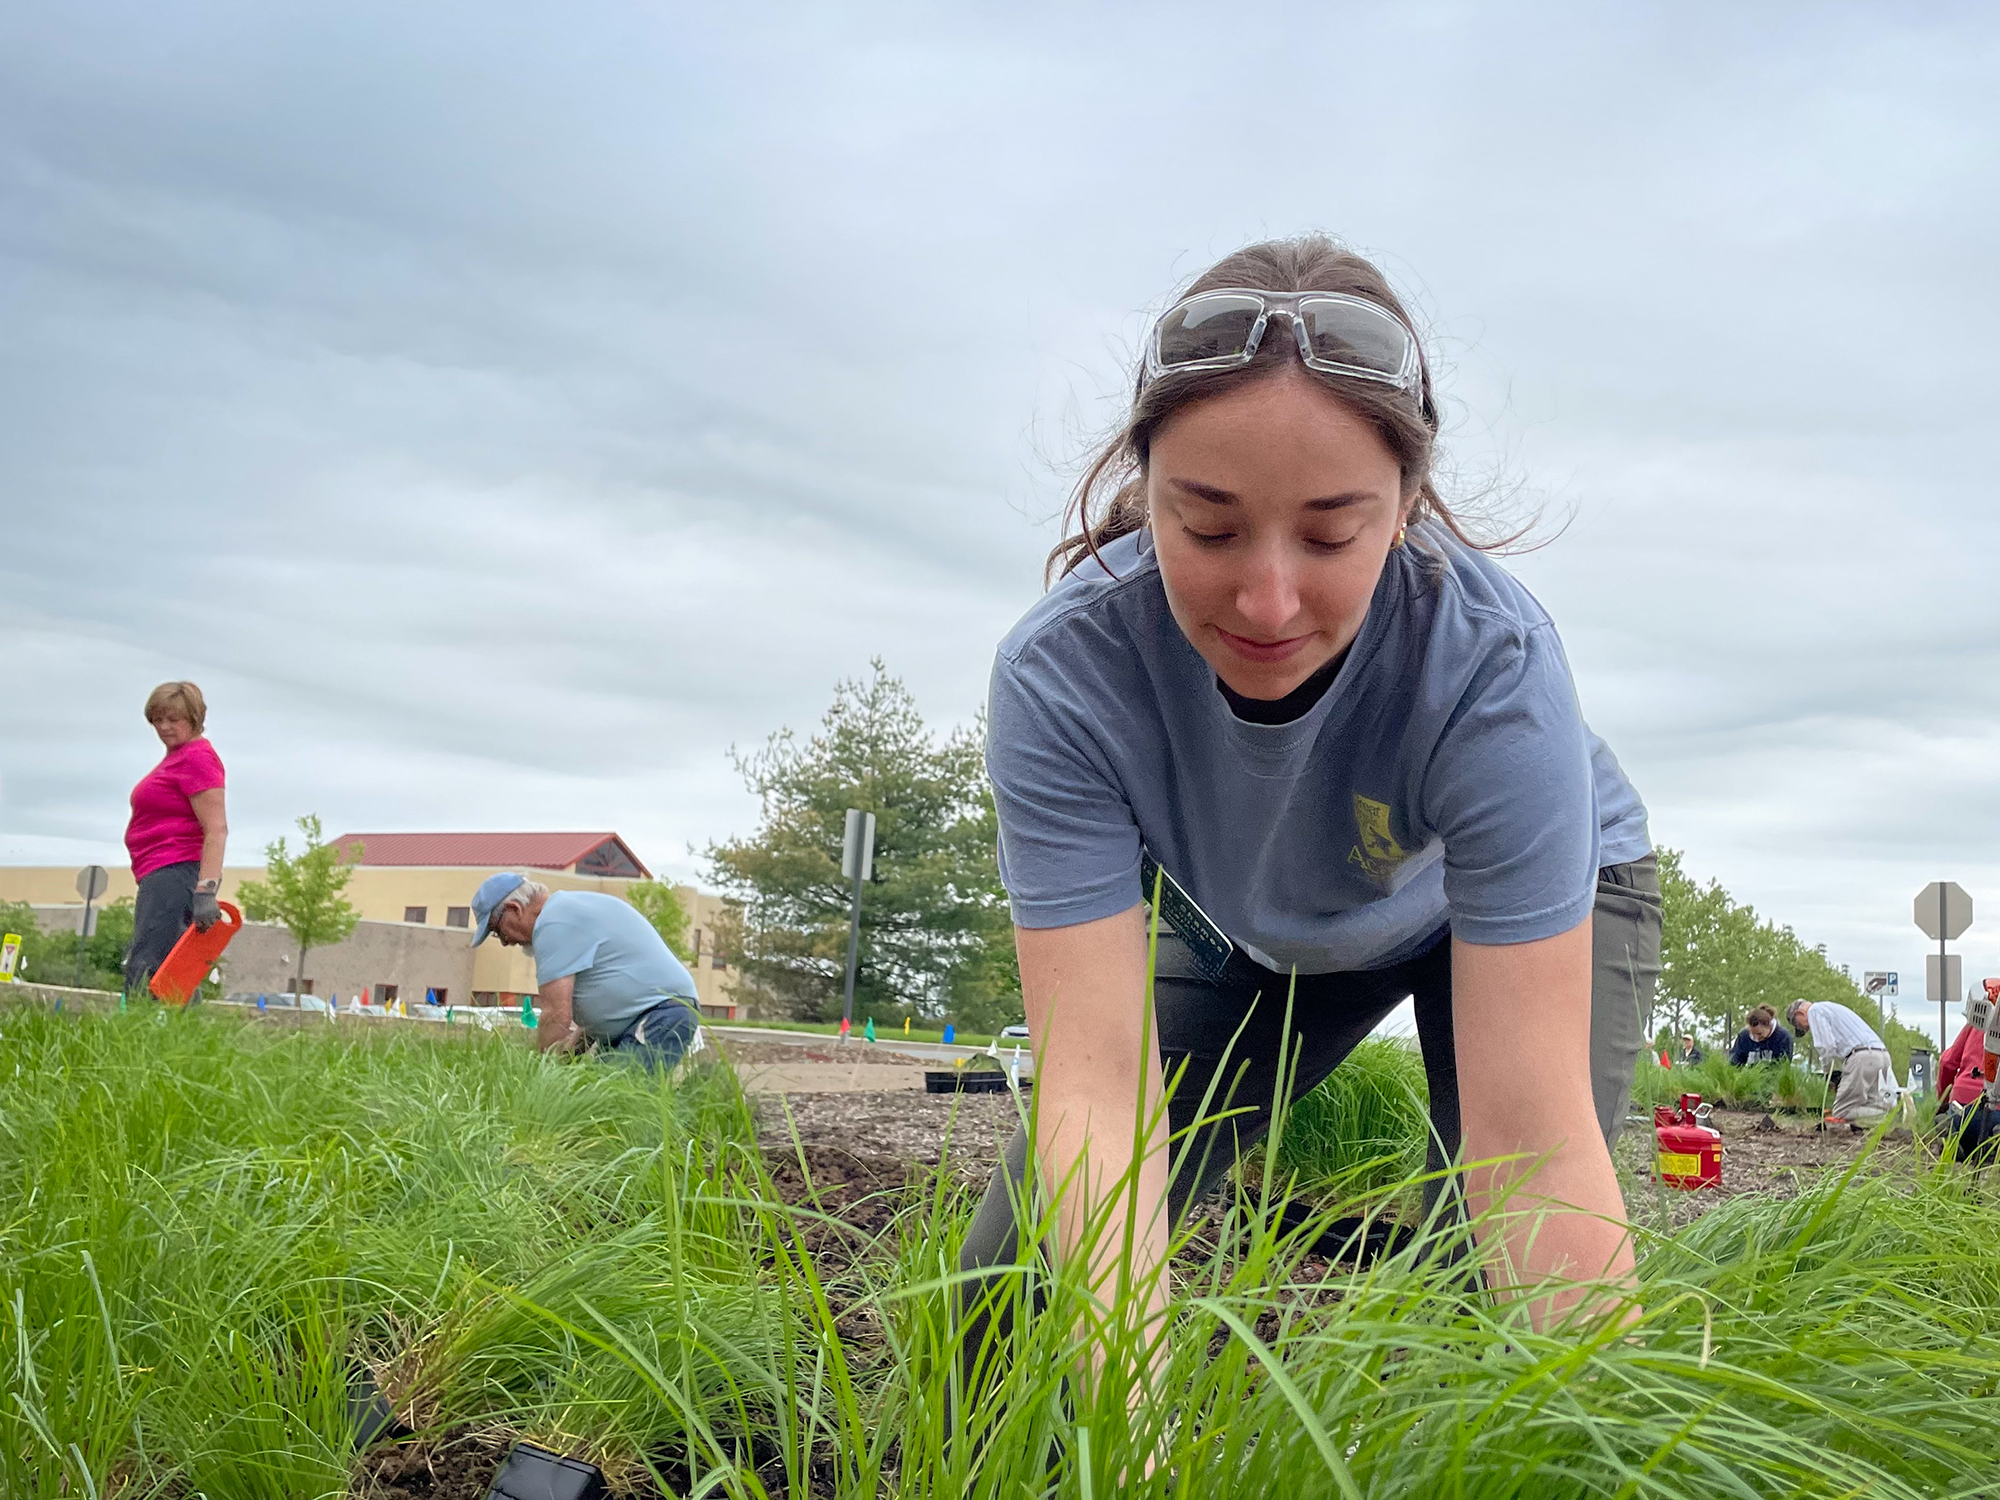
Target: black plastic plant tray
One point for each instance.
(532, 1473)
(967, 1081)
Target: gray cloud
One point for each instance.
(732, 349)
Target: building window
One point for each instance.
(385, 994)
(610, 858)
(417, 914)
(458, 916)
(436, 996)
(485, 997)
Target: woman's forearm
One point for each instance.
(213, 816)
(214, 841)
(1086, 1146)
(1539, 1179)
(1100, 1126)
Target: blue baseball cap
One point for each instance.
(486, 900)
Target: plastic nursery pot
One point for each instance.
(531, 1473)
(369, 1412)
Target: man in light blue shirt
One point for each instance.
(605, 975)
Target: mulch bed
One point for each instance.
(1767, 1155)
(901, 1126)
(760, 1054)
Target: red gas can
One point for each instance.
(1690, 1153)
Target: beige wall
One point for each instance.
(262, 957)
(382, 893)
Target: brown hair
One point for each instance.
(1763, 1014)
(1109, 501)
(181, 700)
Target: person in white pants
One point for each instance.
(1867, 1088)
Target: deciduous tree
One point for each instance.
(1718, 959)
(302, 892)
(658, 904)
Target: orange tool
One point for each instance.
(176, 980)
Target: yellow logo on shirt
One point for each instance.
(1378, 852)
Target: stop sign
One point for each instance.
(1943, 910)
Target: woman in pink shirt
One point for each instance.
(177, 832)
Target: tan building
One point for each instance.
(408, 881)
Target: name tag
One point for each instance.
(1208, 943)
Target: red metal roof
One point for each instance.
(499, 851)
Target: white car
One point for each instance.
(1018, 1032)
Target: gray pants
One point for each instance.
(1866, 1087)
(164, 910)
(1228, 1033)
(1624, 972)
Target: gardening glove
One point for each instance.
(206, 912)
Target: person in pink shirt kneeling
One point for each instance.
(1961, 1076)
(177, 832)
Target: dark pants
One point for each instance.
(1197, 1020)
(164, 910)
(661, 1037)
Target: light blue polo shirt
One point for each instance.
(621, 966)
(1446, 776)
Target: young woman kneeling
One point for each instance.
(1275, 664)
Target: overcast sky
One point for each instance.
(501, 411)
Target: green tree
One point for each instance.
(302, 892)
(658, 904)
(936, 939)
(1718, 959)
(50, 957)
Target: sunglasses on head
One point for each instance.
(1335, 333)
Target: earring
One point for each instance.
(1401, 532)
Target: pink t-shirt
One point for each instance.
(164, 830)
(1960, 1071)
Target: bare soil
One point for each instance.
(455, 1469)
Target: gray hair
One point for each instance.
(524, 894)
(1792, 1010)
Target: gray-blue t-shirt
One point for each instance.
(621, 967)
(1446, 775)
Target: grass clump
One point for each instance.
(1768, 1086)
(1364, 1127)
(204, 1225)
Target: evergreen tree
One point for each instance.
(936, 938)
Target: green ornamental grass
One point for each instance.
(207, 1226)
